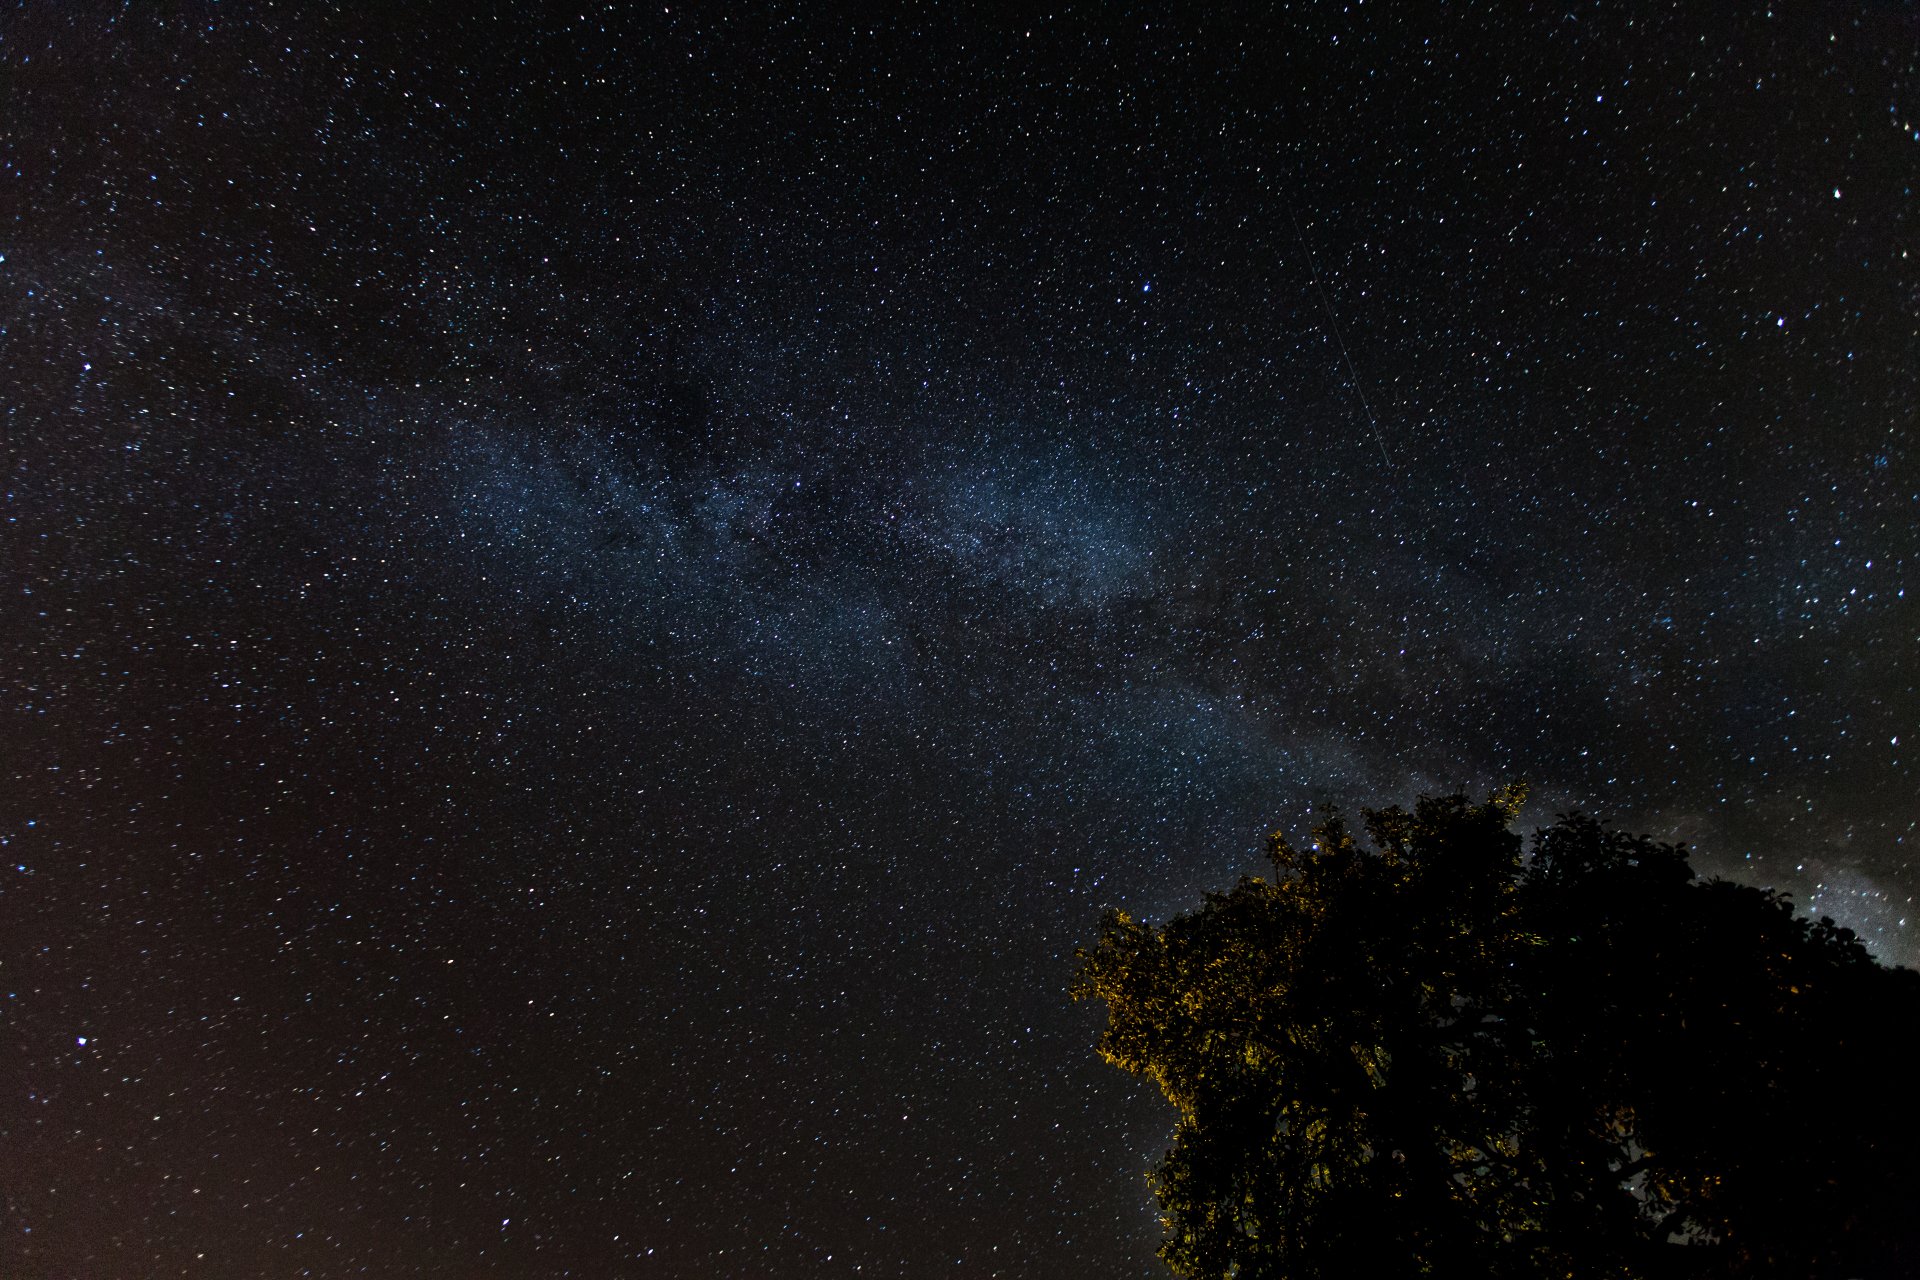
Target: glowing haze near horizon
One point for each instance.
(594, 607)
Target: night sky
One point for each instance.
(594, 604)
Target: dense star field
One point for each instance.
(595, 603)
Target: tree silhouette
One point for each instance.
(1425, 1054)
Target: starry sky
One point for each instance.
(597, 598)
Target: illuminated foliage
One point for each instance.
(1426, 1055)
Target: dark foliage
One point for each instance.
(1427, 1055)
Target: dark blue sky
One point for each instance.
(596, 604)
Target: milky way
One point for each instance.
(595, 606)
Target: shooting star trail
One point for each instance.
(1333, 323)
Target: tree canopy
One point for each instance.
(1421, 1053)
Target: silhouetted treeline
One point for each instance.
(1423, 1054)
